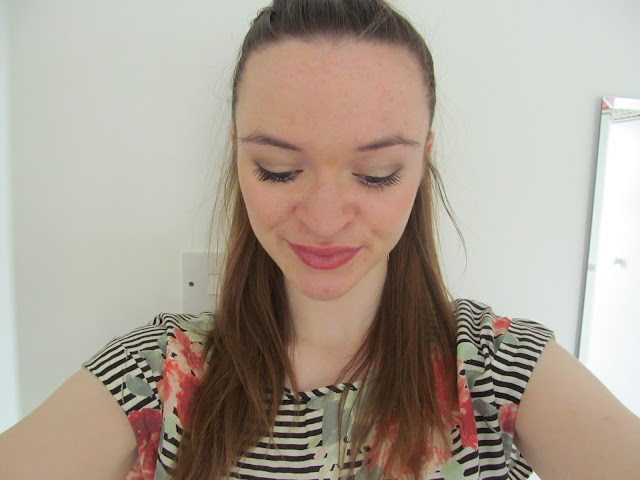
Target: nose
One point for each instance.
(325, 208)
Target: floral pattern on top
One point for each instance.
(159, 378)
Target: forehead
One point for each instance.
(349, 92)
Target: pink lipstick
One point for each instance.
(324, 258)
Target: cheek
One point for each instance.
(389, 214)
(265, 207)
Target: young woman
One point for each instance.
(335, 350)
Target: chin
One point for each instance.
(324, 296)
(326, 292)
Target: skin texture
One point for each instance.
(79, 432)
(569, 426)
(328, 99)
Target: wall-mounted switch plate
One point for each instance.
(200, 281)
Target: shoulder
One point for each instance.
(153, 335)
(132, 364)
(478, 326)
(152, 372)
(496, 356)
(502, 349)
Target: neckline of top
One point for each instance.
(307, 395)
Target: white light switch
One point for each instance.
(200, 281)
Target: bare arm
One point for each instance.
(569, 426)
(79, 432)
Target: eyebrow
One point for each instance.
(261, 138)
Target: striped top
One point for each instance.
(153, 371)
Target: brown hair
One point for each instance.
(413, 331)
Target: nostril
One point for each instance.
(324, 227)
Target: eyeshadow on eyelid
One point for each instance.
(381, 170)
(274, 165)
(366, 166)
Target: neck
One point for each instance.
(340, 324)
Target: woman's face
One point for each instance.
(331, 142)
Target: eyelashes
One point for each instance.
(376, 183)
(275, 177)
(380, 182)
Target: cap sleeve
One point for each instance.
(131, 365)
(152, 373)
(497, 356)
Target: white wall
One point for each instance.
(9, 405)
(118, 111)
(520, 87)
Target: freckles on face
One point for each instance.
(330, 98)
(330, 143)
(266, 206)
(389, 217)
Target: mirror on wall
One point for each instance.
(611, 319)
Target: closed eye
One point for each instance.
(380, 182)
(274, 177)
(369, 181)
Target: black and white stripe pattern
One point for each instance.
(497, 374)
(297, 425)
(121, 357)
(500, 371)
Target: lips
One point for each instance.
(324, 258)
